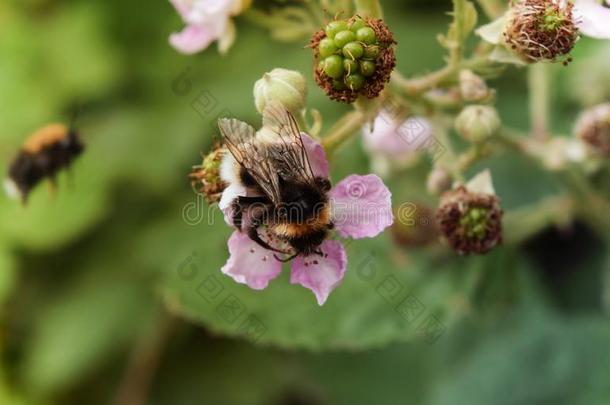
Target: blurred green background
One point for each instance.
(105, 287)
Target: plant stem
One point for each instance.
(143, 362)
(369, 8)
(457, 50)
(538, 82)
(416, 86)
(449, 157)
(343, 129)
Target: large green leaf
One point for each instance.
(542, 361)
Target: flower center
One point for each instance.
(474, 223)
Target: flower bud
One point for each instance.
(282, 85)
(472, 87)
(476, 123)
(205, 178)
(439, 180)
(353, 57)
(593, 128)
(470, 217)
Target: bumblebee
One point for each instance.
(46, 152)
(283, 198)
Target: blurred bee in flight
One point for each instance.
(44, 153)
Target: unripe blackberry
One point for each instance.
(541, 30)
(593, 128)
(205, 178)
(469, 219)
(353, 57)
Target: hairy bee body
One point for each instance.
(302, 217)
(46, 152)
(282, 195)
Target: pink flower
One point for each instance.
(393, 142)
(594, 18)
(360, 207)
(206, 21)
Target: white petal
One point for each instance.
(492, 32)
(481, 183)
(593, 18)
(503, 55)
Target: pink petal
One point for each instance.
(317, 157)
(361, 206)
(192, 39)
(396, 138)
(594, 19)
(321, 274)
(249, 263)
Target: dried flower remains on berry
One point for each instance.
(353, 57)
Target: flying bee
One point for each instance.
(42, 156)
(282, 193)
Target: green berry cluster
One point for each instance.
(348, 52)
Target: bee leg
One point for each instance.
(253, 234)
(286, 260)
(236, 214)
(242, 202)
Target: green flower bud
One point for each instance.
(593, 128)
(283, 85)
(476, 123)
(472, 87)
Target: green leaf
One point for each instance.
(541, 361)
(87, 324)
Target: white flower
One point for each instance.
(206, 21)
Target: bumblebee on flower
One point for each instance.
(281, 203)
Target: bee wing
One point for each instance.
(240, 139)
(290, 150)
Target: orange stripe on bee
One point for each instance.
(45, 136)
(300, 229)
